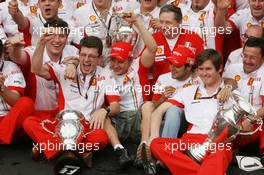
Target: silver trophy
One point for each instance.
(68, 128)
(122, 30)
(226, 126)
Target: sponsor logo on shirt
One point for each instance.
(92, 18)
(185, 18)
(33, 9)
(250, 81)
(160, 50)
(79, 4)
(237, 77)
(202, 16)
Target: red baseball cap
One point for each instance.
(121, 51)
(181, 56)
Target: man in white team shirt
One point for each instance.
(236, 55)
(201, 104)
(181, 65)
(242, 19)
(198, 16)
(13, 108)
(249, 76)
(85, 94)
(27, 7)
(95, 18)
(8, 27)
(31, 25)
(131, 81)
(43, 92)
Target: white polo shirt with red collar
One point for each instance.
(167, 80)
(29, 8)
(243, 19)
(200, 109)
(88, 17)
(8, 27)
(39, 89)
(132, 86)
(89, 21)
(86, 94)
(250, 85)
(14, 80)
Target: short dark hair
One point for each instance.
(1, 47)
(170, 8)
(58, 23)
(92, 42)
(210, 54)
(255, 42)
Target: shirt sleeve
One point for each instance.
(15, 79)
(177, 99)
(236, 20)
(111, 92)
(158, 89)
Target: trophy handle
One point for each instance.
(259, 128)
(45, 128)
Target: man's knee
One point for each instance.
(148, 106)
(25, 104)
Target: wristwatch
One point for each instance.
(107, 108)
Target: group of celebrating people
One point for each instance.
(160, 91)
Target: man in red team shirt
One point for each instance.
(171, 37)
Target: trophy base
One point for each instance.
(189, 154)
(68, 163)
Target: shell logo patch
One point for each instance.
(249, 24)
(92, 18)
(79, 4)
(237, 78)
(202, 16)
(33, 9)
(185, 18)
(160, 50)
(93, 82)
(198, 95)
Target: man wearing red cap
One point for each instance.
(131, 79)
(181, 66)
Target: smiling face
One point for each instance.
(119, 67)
(88, 59)
(257, 8)
(180, 73)
(49, 8)
(56, 45)
(169, 25)
(252, 59)
(208, 73)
